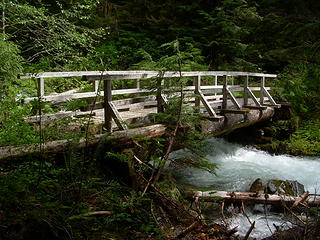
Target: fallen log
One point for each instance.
(251, 198)
(118, 137)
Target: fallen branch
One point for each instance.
(294, 215)
(249, 231)
(300, 200)
(250, 198)
(96, 213)
(184, 232)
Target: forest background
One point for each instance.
(272, 36)
(239, 35)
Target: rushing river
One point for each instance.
(239, 166)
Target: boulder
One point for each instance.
(276, 186)
(285, 187)
(297, 187)
(257, 186)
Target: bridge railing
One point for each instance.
(111, 112)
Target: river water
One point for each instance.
(239, 166)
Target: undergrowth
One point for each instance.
(50, 194)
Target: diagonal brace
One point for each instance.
(248, 90)
(206, 104)
(233, 99)
(116, 116)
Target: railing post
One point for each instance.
(160, 107)
(40, 87)
(107, 88)
(197, 85)
(215, 83)
(138, 84)
(96, 86)
(225, 92)
(245, 92)
(263, 81)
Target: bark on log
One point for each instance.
(60, 145)
(234, 121)
(250, 198)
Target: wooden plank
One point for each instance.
(201, 98)
(130, 107)
(160, 106)
(116, 116)
(45, 118)
(138, 99)
(268, 95)
(108, 111)
(131, 91)
(214, 97)
(67, 97)
(225, 93)
(197, 87)
(40, 87)
(263, 81)
(245, 94)
(255, 100)
(215, 82)
(164, 99)
(233, 99)
(209, 109)
(96, 86)
(205, 87)
(141, 74)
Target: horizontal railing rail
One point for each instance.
(142, 74)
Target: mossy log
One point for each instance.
(234, 121)
(118, 137)
(253, 198)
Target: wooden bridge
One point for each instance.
(224, 101)
(213, 93)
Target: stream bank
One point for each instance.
(239, 167)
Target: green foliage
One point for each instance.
(10, 66)
(306, 140)
(38, 191)
(300, 85)
(13, 130)
(224, 36)
(53, 40)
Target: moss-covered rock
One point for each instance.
(288, 187)
(257, 186)
(277, 186)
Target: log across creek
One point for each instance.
(118, 137)
(255, 198)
